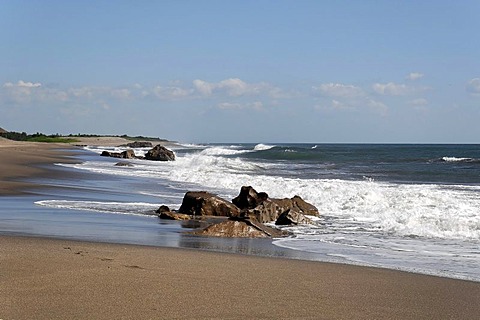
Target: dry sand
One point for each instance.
(61, 279)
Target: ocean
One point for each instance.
(408, 207)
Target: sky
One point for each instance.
(243, 71)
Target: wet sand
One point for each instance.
(22, 160)
(62, 279)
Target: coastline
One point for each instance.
(23, 160)
(42, 278)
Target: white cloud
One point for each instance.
(473, 86)
(391, 88)
(83, 92)
(377, 107)
(121, 94)
(22, 84)
(339, 105)
(21, 92)
(170, 93)
(257, 105)
(415, 76)
(235, 87)
(203, 87)
(420, 102)
(339, 90)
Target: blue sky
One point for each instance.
(243, 71)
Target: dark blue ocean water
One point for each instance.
(407, 163)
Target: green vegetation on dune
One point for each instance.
(37, 137)
(57, 138)
(124, 136)
(52, 139)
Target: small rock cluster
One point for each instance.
(157, 153)
(245, 215)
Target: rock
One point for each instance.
(233, 228)
(127, 154)
(160, 153)
(165, 213)
(139, 144)
(202, 203)
(246, 215)
(249, 198)
(305, 207)
(107, 154)
(162, 209)
(292, 216)
(257, 206)
(170, 215)
(123, 164)
(267, 211)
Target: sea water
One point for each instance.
(407, 207)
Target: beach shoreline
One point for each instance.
(22, 161)
(59, 278)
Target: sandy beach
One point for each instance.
(59, 279)
(21, 160)
(62, 279)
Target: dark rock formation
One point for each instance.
(231, 229)
(165, 213)
(267, 211)
(202, 203)
(123, 164)
(127, 154)
(257, 205)
(160, 153)
(157, 153)
(249, 198)
(246, 215)
(139, 144)
(292, 216)
(239, 229)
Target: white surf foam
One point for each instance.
(411, 210)
(261, 147)
(455, 159)
(129, 208)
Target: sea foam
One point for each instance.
(412, 210)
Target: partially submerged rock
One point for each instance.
(127, 154)
(139, 144)
(258, 206)
(160, 153)
(231, 229)
(123, 164)
(157, 153)
(240, 229)
(249, 198)
(202, 203)
(246, 215)
(292, 216)
(165, 213)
